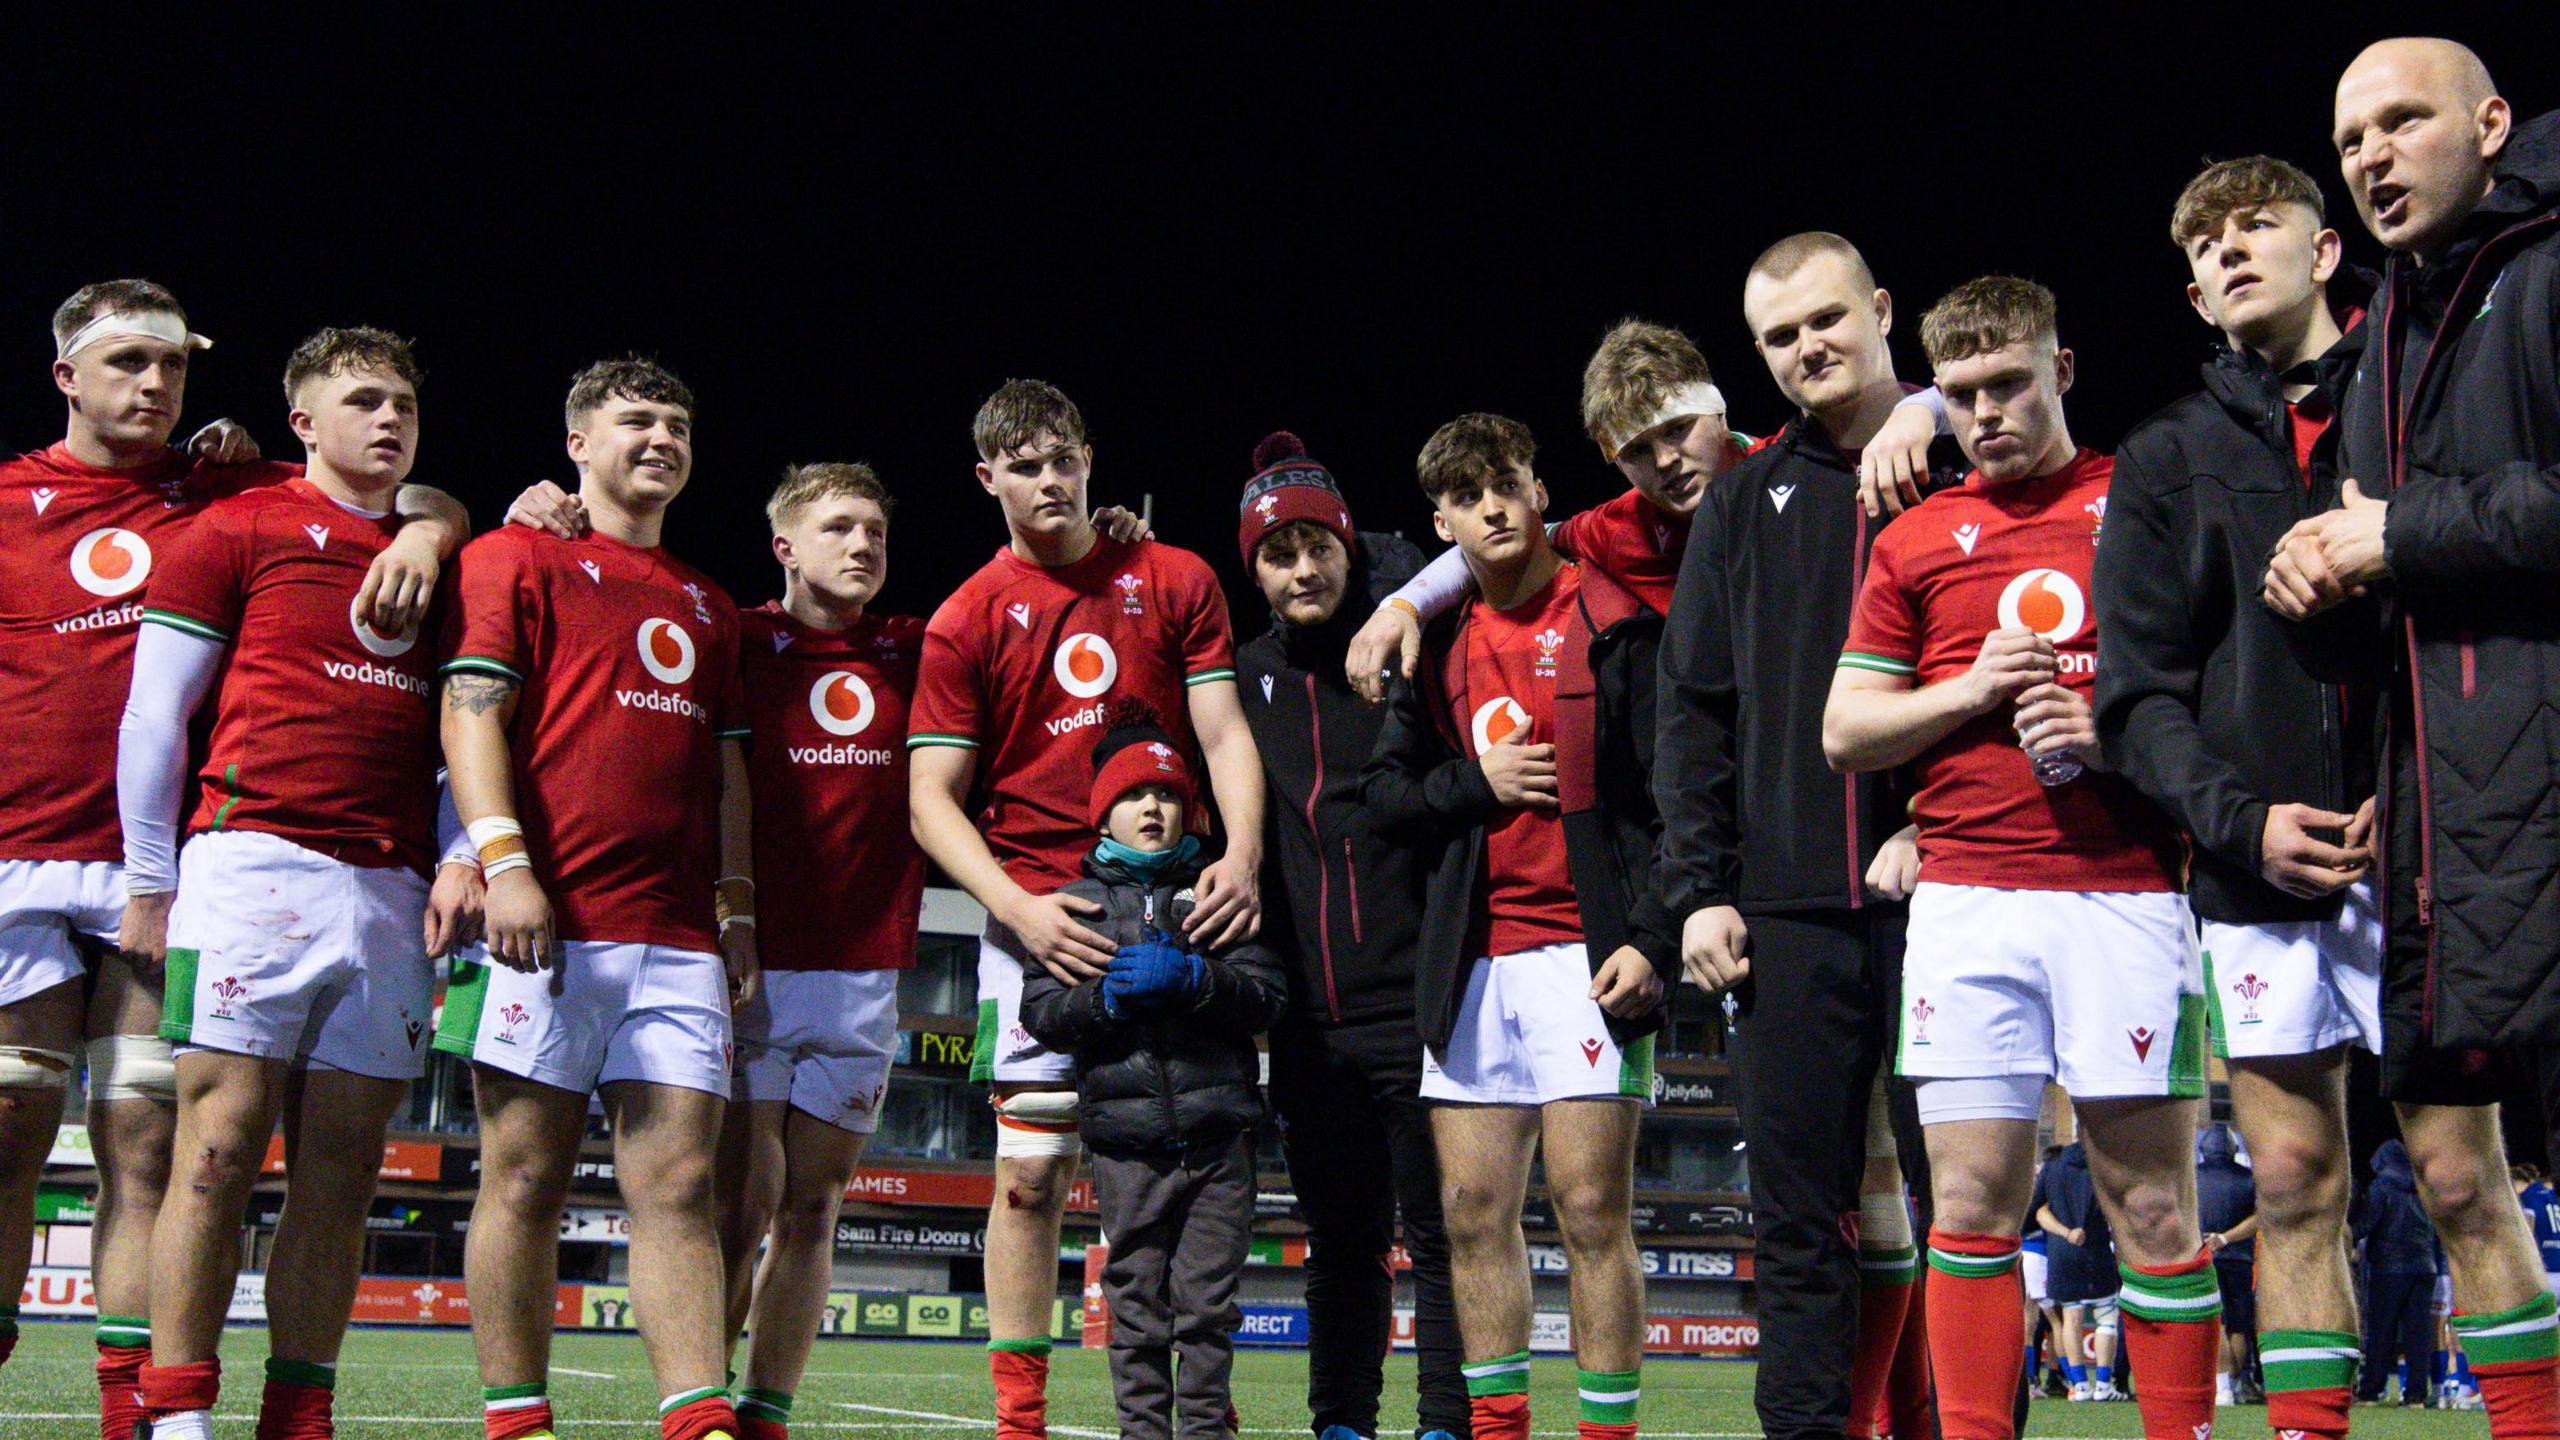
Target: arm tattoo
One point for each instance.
(476, 694)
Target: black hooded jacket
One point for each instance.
(1344, 906)
(1172, 1081)
(2455, 415)
(2201, 702)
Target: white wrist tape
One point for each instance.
(115, 325)
(491, 827)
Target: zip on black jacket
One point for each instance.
(1422, 790)
(2455, 414)
(2201, 702)
(1344, 906)
(1167, 1082)
(1752, 815)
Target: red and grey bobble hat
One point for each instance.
(1136, 750)
(1286, 487)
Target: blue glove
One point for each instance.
(1152, 976)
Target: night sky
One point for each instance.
(844, 233)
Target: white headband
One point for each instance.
(157, 324)
(1695, 398)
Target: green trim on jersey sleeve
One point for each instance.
(1206, 677)
(1881, 664)
(922, 738)
(479, 665)
(184, 624)
(230, 783)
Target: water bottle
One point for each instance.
(2060, 768)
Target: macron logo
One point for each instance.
(1966, 535)
(1021, 614)
(43, 497)
(781, 642)
(319, 536)
(595, 572)
(1266, 689)
(1779, 495)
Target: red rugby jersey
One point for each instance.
(77, 545)
(1951, 570)
(628, 662)
(1632, 541)
(1021, 663)
(839, 879)
(1509, 684)
(324, 731)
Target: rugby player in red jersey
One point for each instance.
(80, 524)
(1019, 664)
(1519, 757)
(839, 882)
(2048, 938)
(591, 721)
(294, 920)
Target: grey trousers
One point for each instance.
(1179, 1227)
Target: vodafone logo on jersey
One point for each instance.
(666, 651)
(374, 641)
(110, 562)
(1497, 720)
(2045, 601)
(1085, 665)
(841, 703)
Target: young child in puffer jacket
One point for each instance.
(1168, 1090)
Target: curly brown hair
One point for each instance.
(339, 350)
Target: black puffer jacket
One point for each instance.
(1346, 905)
(1173, 1081)
(2201, 701)
(2455, 410)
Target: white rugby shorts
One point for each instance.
(822, 1040)
(2102, 991)
(1006, 1053)
(282, 952)
(2297, 987)
(43, 903)
(602, 1011)
(1529, 1033)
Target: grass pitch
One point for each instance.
(421, 1383)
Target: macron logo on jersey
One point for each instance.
(1085, 665)
(595, 572)
(1021, 614)
(1966, 535)
(1779, 495)
(666, 651)
(110, 562)
(781, 642)
(43, 497)
(319, 536)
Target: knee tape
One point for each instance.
(24, 1067)
(1035, 1124)
(132, 1067)
(1880, 1145)
(2104, 1317)
(1884, 1222)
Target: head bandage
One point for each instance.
(1696, 398)
(157, 324)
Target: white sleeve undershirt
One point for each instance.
(173, 672)
(450, 834)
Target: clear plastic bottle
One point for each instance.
(2060, 768)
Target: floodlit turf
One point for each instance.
(400, 1383)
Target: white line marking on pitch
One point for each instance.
(589, 1374)
(972, 1421)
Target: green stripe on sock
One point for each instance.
(1036, 1345)
(2191, 1296)
(1971, 1267)
(302, 1372)
(2530, 1331)
(682, 1398)
(511, 1397)
(2307, 1359)
(774, 1405)
(1501, 1375)
(1608, 1396)
(1884, 1269)
(125, 1332)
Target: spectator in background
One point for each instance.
(2080, 1272)
(2401, 1261)
(2227, 1212)
(2541, 1211)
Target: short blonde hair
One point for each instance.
(1473, 449)
(1020, 412)
(1793, 253)
(1638, 366)
(805, 485)
(1988, 314)
(2230, 187)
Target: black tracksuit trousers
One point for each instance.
(1815, 1020)
(1358, 1137)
